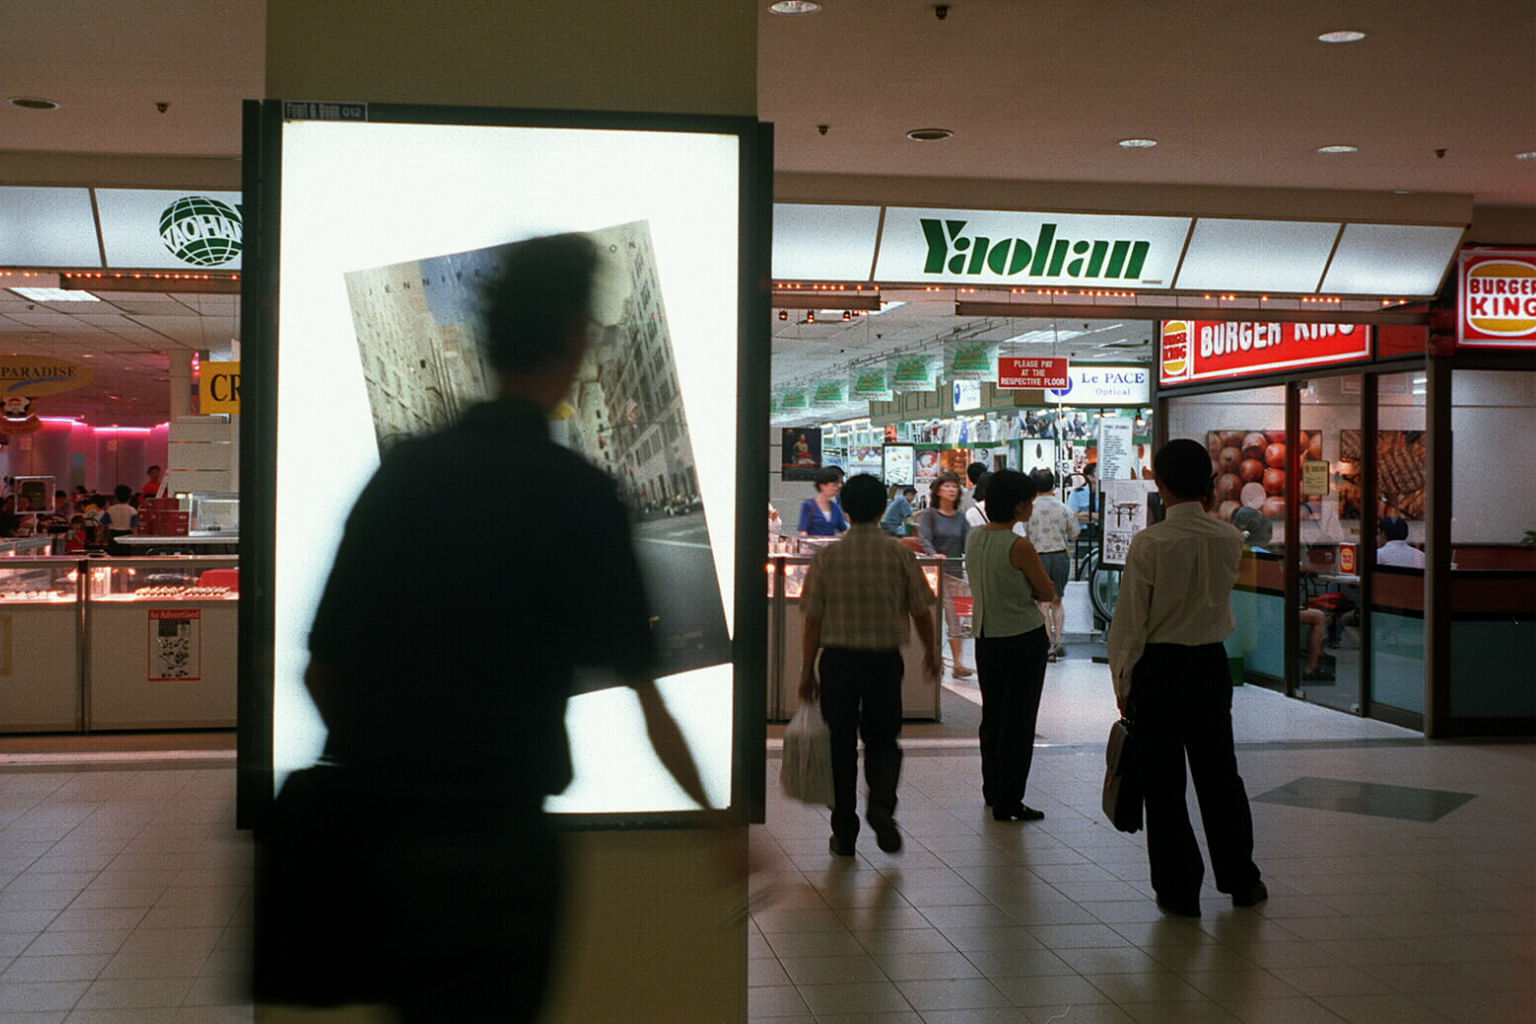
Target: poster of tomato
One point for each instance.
(1249, 468)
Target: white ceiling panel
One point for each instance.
(1391, 260)
(47, 227)
(1256, 255)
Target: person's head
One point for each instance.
(1090, 471)
(909, 492)
(122, 492)
(841, 473)
(1043, 479)
(827, 480)
(1393, 528)
(863, 498)
(536, 311)
(77, 522)
(975, 471)
(1183, 469)
(154, 472)
(944, 492)
(1255, 527)
(1010, 496)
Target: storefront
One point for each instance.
(1330, 432)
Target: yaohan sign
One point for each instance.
(1194, 350)
(1000, 247)
(1497, 301)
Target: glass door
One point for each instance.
(1324, 463)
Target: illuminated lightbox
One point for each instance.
(382, 220)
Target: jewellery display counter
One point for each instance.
(115, 644)
(786, 575)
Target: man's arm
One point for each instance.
(810, 643)
(668, 742)
(1128, 629)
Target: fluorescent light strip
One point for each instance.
(55, 295)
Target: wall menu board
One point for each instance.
(357, 208)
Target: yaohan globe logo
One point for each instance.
(202, 231)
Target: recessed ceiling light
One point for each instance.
(55, 295)
(1338, 149)
(1137, 143)
(1526, 156)
(929, 134)
(34, 103)
(1347, 35)
(794, 7)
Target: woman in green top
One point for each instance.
(1008, 581)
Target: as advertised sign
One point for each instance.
(1192, 350)
(913, 373)
(969, 360)
(831, 392)
(218, 388)
(1105, 385)
(794, 401)
(1497, 302)
(999, 247)
(1016, 373)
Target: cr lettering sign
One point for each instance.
(218, 388)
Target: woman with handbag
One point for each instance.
(1008, 582)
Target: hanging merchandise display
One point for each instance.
(870, 384)
(794, 400)
(966, 359)
(917, 371)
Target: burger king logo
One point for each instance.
(1175, 349)
(1500, 297)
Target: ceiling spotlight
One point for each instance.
(1137, 143)
(929, 134)
(783, 314)
(1347, 35)
(810, 316)
(33, 103)
(1338, 149)
(847, 315)
(794, 7)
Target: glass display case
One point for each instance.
(215, 513)
(786, 578)
(123, 643)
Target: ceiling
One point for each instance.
(1438, 98)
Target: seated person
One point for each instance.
(1392, 547)
(1257, 532)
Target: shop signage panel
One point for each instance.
(824, 243)
(47, 227)
(1021, 373)
(1496, 307)
(181, 229)
(1194, 350)
(1105, 385)
(218, 388)
(1391, 260)
(1257, 255)
(1002, 247)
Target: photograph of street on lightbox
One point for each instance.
(418, 336)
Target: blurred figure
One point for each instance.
(414, 867)
(1053, 528)
(1392, 547)
(898, 511)
(822, 516)
(941, 531)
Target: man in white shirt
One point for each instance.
(1171, 680)
(1392, 547)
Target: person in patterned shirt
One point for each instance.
(857, 598)
(1052, 529)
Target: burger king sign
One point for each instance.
(1497, 305)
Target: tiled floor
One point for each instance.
(124, 890)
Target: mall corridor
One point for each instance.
(1400, 873)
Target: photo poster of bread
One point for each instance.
(801, 453)
(1402, 458)
(1249, 468)
(418, 336)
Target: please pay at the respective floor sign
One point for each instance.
(1019, 372)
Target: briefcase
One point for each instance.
(1123, 784)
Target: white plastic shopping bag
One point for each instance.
(806, 774)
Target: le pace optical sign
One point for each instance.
(1497, 302)
(1106, 385)
(1193, 350)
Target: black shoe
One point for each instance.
(887, 836)
(1179, 908)
(1318, 675)
(841, 847)
(1019, 813)
(1256, 893)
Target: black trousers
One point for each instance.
(1011, 671)
(1181, 704)
(861, 695)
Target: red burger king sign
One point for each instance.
(1497, 303)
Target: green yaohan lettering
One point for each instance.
(206, 225)
(951, 250)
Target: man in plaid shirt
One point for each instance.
(858, 596)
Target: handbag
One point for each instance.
(1123, 782)
(806, 772)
